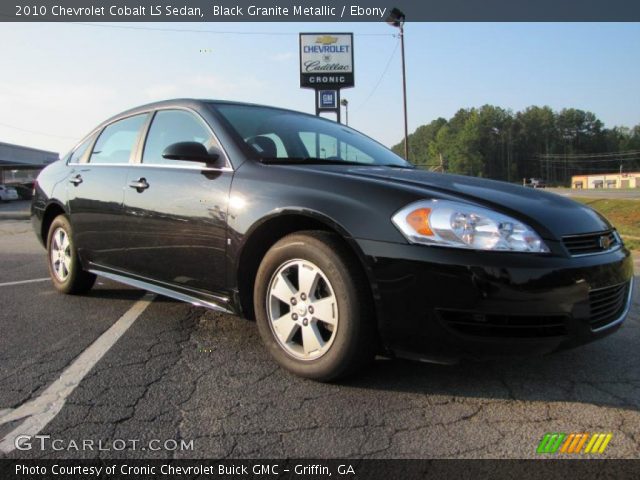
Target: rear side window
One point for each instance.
(173, 126)
(78, 154)
(117, 140)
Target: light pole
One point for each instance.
(396, 19)
(345, 103)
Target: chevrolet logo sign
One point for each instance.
(326, 40)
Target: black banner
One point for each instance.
(312, 469)
(317, 10)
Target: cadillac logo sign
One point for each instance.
(326, 60)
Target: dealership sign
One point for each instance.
(326, 60)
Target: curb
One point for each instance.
(14, 215)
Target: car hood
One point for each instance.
(552, 215)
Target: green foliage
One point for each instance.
(493, 142)
(624, 214)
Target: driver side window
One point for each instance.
(173, 126)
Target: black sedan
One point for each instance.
(337, 247)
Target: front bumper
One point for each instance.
(444, 304)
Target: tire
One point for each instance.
(64, 265)
(314, 287)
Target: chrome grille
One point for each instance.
(591, 242)
(607, 304)
(504, 326)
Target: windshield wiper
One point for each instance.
(326, 161)
(395, 165)
(308, 161)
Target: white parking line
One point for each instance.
(41, 410)
(21, 282)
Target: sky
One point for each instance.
(59, 80)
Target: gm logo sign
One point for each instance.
(327, 99)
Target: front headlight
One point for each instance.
(461, 225)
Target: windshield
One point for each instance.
(272, 135)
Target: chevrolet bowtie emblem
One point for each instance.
(326, 40)
(605, 242)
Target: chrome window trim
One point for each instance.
(156, 165)
(185, 167)
(101, 165)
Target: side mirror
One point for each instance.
(193, 152)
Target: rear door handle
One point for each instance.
(77, 180)
(140, 184)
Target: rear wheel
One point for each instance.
(65, 270)
(312, 307)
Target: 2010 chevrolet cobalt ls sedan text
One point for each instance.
(336, 246)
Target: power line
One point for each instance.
(188, 30)
(384, 72)
(591, 162)
(37, 132)
(592, 169)
(215, 32)
(577, 156)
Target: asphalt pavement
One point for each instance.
(180, 373)
(15, 210)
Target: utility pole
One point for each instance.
(396, 19)
(404, 95)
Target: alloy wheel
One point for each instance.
(60, 255)
(302, 309)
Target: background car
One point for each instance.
(534, 183)
(24, 190)
(336, 246)
(8, 193)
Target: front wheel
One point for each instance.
(65, 270)
(313, 308)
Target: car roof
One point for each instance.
(191, 102)
(181, 102)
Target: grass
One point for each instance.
(624, 214)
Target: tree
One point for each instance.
(494, 142)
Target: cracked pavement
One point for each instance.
(183, 372)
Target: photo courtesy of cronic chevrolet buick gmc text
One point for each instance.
(337, 247)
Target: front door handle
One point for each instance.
(140, 184)
(77, 180)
